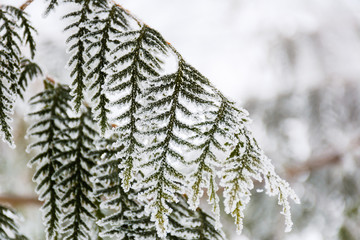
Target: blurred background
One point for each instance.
(293, 64)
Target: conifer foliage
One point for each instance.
(140, 64)
(140, 140)
(183, 223)
(131, 221)
(51, 119)
(77, 201)
(77, 47)
(245, 163)
(9, 224)
(101, 39)
(15, 30)
(109, 184)
(29, 71)
(220, 120)
(165, 179)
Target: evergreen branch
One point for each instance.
(206, 227)
(29, 70)
(183, 224)
(139, 63)
(113, 23)
(78, 47)
(29, 30)
(9, 228)
(5, 111)
(53, 100)
(183, 112)
(10, 63)
(233, 115)
(165, 180)
(25, 25)
(9, 67)
(73, 177)
(247, 162)
(51, 6)
(128, 13)
(110, 186)
(205, 174)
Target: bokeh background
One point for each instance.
(293, 64)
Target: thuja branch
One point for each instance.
(119, 61)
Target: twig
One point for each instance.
(50, 80)
(139, 22)
(320, 162)
(26, 4)
(18, 200)
(314, 164)
(309, 166)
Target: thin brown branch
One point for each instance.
(19, 200)
(25, 5)
(314, 164)
(308, 166)
(50, 80)
(139, 22)
(317, 163)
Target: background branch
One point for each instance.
(16, 201)
(291, 172)
(26, 4)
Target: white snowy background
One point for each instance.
(250, 49)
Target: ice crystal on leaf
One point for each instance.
(109, 185)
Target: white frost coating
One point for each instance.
(213, 200)
(274, 185)
(159, 214)
(127, 174)
(9, 228)
(160, 187)
(246, 163)
(3, 138)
